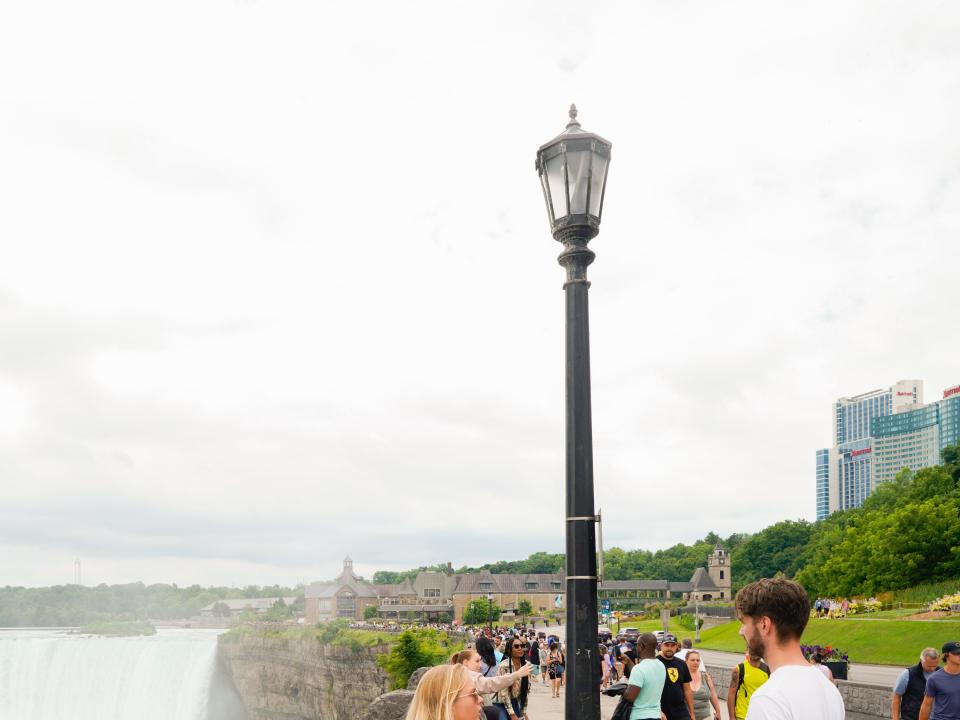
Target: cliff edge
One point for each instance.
(301, 678)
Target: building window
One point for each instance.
(431, 592)
(721, 574)
(346, 606)
(531, 586)
(486, 586)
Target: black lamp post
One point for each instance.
(490, 611)
(573, 172)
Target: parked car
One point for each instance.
(631, 634)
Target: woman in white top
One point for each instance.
(470, 659)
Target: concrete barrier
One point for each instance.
(861, 700)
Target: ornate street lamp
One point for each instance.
(573, 173)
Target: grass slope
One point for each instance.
(877, 642)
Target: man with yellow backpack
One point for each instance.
(746, 678)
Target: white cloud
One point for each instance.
(277, 285)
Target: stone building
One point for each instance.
(346, 596)
(544, 591)
(710, 584)
(427, 598)
(434, 596)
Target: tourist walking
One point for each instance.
(544, 661)
(445, 692)
(773, 615)
(745, 679)
(512, 700)
(645, 686)
(604, 666)
(702, 689)
(908, 692)
(555, 668)
(942, 695)
(676, 701)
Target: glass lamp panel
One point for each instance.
(578, 175)
(546, 196)
(558, 190)
(597, 179)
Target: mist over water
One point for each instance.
(51, 675)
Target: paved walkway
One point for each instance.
(542, 706)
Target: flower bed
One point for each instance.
(827, 652)
(944, 603)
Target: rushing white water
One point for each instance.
(48, 675)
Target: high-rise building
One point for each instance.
(826, 481)
(844, 473)
(909, 439)
(852, 416)
(950, 417)
(878, 434)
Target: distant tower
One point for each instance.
(77, 580)
(719, 568)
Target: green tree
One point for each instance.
(369, 612)
(481, 612)
(221, 609)
(782, 547)
(413, 651)
(524, 608)
(278, 612)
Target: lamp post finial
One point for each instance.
(573, 117)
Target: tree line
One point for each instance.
(73, 605)
(906, 533)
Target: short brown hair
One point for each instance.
(783, 601)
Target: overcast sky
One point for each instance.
(277, 286)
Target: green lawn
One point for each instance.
(879, 642)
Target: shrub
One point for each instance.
(415, 649)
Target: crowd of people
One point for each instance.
(667, 680)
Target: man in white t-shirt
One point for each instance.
(773, 615)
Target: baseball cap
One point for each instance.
(671, 638)
(951, 647)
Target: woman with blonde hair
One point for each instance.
(445, 692)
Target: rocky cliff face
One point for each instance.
(287, 679)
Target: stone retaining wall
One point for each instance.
(860, 699)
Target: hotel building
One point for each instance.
(844, 472)
(878, 434)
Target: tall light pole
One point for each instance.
(696, 615)
(573, 173)
(490, 612)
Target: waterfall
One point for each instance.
(55, 676)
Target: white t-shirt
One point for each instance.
(796, 692)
